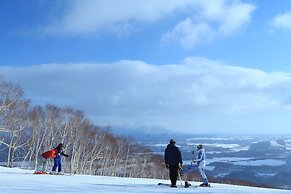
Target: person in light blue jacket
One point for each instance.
(199, 163)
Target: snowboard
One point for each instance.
(195, 186)
(209, 186)
(169, 185)
(164, 184)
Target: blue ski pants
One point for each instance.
(57, 163)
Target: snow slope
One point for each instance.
(14, 181)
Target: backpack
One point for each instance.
(49, 154)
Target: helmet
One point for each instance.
(172, 141)
(200, 146)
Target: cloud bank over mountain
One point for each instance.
(134, 93)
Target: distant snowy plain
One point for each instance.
(17, 181)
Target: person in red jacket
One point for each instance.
(58, 159)
(56, 155)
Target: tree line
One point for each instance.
(26, 131)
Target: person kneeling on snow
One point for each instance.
(58, 159)
(200, 164)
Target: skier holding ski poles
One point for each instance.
(56, 155)
(200, 164)
(58, 159)
(173, 161)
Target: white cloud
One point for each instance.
(281, 21)
(189, 34)
(91, 16)
(236, 16)
(210, 20)
(133, 92)
(205, 19)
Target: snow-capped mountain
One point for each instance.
(261, 160)
(17, 181)
(270, 146)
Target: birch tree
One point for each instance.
(38, 134)
(13, 117)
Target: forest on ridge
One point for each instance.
(26, 131)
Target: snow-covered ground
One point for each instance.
(17, 181)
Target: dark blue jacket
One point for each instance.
(172, 155)
(59, 151)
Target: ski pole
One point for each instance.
(179, 175)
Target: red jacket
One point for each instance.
(49, 154)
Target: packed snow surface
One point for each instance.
(14, 181)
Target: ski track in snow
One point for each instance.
(17, 181)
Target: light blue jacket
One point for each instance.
(201, 157)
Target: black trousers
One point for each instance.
(173, 173)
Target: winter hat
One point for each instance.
(172, 141)
(61, 145)
(200, 146)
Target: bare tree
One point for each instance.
(16, 121)
(27, 132)
(38, 134)
(13, 118)
(9, 95)
(52, 126)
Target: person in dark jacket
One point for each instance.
(58, 159)
(173, 161)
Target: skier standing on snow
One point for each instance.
(200, 164)
(173, 161)
(58, 159)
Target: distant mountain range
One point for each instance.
(147, 133)
(261, 160)
(271, 146)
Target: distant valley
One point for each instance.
(262, 160)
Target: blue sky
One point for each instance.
(213, 66)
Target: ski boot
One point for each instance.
(187, 184)
(53, 172)
(204, 185)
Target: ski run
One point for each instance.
(17, 181)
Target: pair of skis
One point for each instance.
(43, 172)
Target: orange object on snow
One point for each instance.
(39, 172)
(49, 154)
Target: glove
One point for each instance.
(180, 166)
(167, 166)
